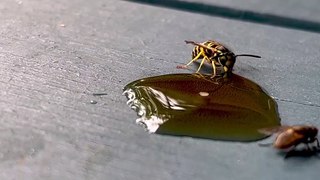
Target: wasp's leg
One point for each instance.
(201, 64)
(193, 60)
(225, 68)
(196, 58)
(227, 73)
(219, 61)
(198, 75)
(201, 53)
(214, 69)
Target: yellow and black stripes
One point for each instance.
(216, 54)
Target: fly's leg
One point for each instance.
(316, 139)
(308, 147)
(312, 140)
(291, 152)
(265, 144)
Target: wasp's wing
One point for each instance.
(273, 130)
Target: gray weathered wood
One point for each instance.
(55, 54)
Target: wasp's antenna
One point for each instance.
(197, 44)
(191, 42)
(249, 55)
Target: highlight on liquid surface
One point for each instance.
(199, 106)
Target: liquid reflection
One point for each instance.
(198, 106)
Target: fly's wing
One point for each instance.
(273, 130)
(288, 139)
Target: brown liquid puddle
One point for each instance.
(198, 106)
